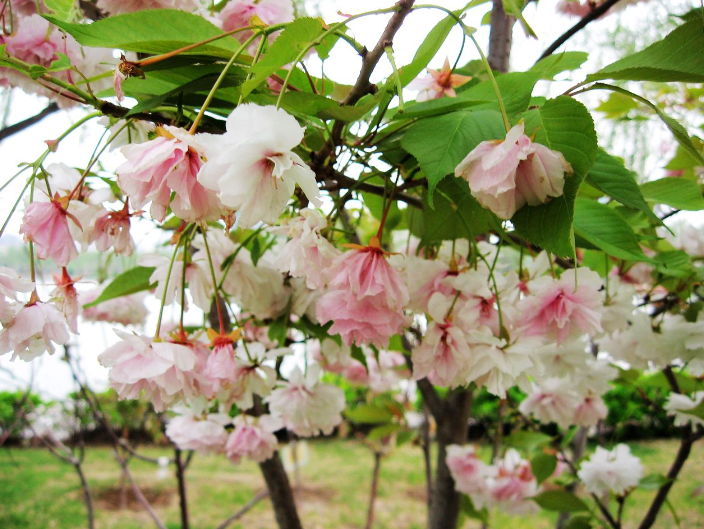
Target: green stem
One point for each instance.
(493, 82)
(166, 288)
(333, 28)
(216, 296)
(257, 54)
(234, 256)
(397, 78)
(219, 81)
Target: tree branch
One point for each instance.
(26, 123)
(181, 478)
(593, 15)
(245, 508)
(500, 37)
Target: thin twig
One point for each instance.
(567, 35)
(245, 508)
(374, 489)
(26, 123)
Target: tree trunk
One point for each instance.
(500, 37)
(452, 427)
(280, 493)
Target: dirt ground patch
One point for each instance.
(120, 498)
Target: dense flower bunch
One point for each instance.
(310, 276)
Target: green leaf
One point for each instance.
(279, 328)
(63, 9)
(609, 175)
(528, 441)
(381, 432)
(129, 282)
(515, 8)
(674, 192)
(677, 130)
(369, 414)
(677, 57)
(515, 88)
(138, 32)
(543, 465)
(697, 411)
(551, 65)
(427, 50)
(653, 482)
(441, 143)
(617, 105)
(579, 522)
(287, 46)
(456, 215)
(560, 501)
(603, 227)
(358, 354)
(675, 263)
(564, 125)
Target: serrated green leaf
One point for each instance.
(369, 414)
(560, 501)
(516, 89)
(456, 215)
(564, 125)
(556, 63)
(292, 40)
(609, 175)
(603, 227)
(441, 143)
(129, 282)
(543, 465)
(527, 441)
(427, 50)
(515, 8)
(137, 32)
(677, 130)
(579, 522)
(617, 105)
(677, 57)
(62, 9)
(674, 192)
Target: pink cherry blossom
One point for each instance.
(366, 297)
(65, 291)
(513, 485)
(112, 230)
(307, 406)
(139, 364)
(34, 330)
(490, 170)
(254, 373)
(560, 308)
(204, 433)
(551, 401)
(46, 225)
(253, 438)
(169, 163)
(252, 166)
(307, 254)
(10, 285)
(35, 42)
(590, 411)
(469, 472)
(238, 13)
(541, 176)
(575, 8)
(438, 83)
(118, 7)
(444, 354)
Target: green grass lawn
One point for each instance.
(37, 491)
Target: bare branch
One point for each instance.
(26, 123)
(245, 509)
(593, 15)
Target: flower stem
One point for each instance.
(258, 53)
(493, 81)
(219, 81)
(216, 296)
(397, 78)
(166, 288)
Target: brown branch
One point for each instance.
(245, 508)
(375, 487)
(687, 440)
(500, 37)
(181, 478)
(90, 10)
(362, 86)
(138, 493)
(590, 17)
(26, 123)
